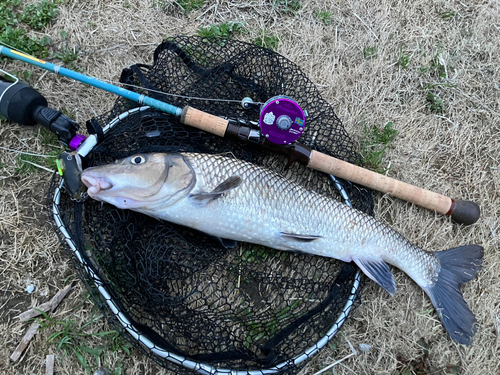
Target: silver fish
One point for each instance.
(239, 201)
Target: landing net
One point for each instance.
(179, 296)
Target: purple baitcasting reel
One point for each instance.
(281, 119)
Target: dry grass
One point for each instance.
(455, 152)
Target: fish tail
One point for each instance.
(457, 266)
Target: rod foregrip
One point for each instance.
(463, 212)
(204, 121)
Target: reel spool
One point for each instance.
(281, 121)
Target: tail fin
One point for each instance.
(458, 265)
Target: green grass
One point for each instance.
(434, 103)
(190, 5)
(8, 16)
(187, 5)
(287, 5)
(324, 16)
(445, 14)
(374, 145)
(260, 254)
(18, 39)
(36, 16)
(197, 53)
(264, 330)
(404, 59)
(67, 55)
(436, 77)
(436, 68)
(51, 162)
(370, 52)
(224, 30)
(22, 74)
(48, 138)
(23, 166)
(72, 339)
(52, 147)
(439, 68)
(39, 15)
(266, 39)
(68, 113)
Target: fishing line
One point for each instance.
(26, 153)
(58, 67)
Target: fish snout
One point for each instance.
(96, 184)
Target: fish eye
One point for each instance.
(139, 159)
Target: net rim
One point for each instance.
(187, 363)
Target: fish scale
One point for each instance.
(239, 201)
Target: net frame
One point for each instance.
(195, 54)
(142, 338)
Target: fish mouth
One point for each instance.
(96, 184)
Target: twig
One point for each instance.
(26, 153)
(24, 342)
(368, 27)
(334, 364)
(49, 365)
(51, 305)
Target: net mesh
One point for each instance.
(177, 294)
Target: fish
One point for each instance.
(236, 201)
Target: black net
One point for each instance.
(182, 298)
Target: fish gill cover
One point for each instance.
(183, 298)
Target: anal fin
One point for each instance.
(378, 271)
(300, 237)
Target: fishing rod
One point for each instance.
(281, 123)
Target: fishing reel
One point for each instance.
(24, 105)
(281, 121)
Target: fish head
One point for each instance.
(141, 181)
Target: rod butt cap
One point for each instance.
(465, 212)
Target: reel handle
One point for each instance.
(463, 212)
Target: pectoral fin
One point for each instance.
(378, 271)
(201, 199)
(300, 237)
(231, 183)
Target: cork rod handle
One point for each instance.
(463, 212)
(204, 121)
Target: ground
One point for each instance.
(429, 67)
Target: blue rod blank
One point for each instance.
(141, 99)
